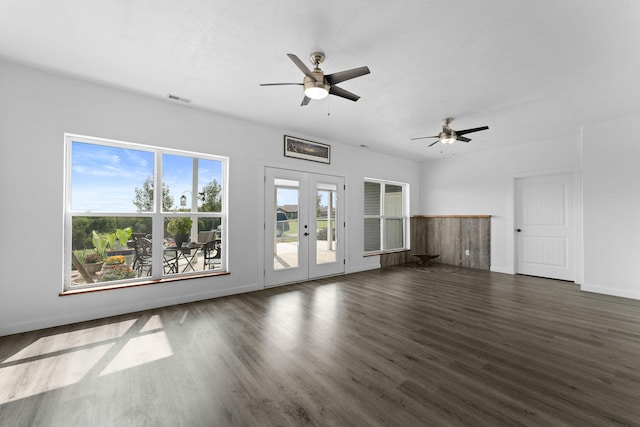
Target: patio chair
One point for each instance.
(143, 256)
(205, 236)
(212, 251)
(131, 244)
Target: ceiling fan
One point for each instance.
(449, 136)
(317, 85)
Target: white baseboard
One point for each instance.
(352, 270)
(501, 270)
(610, 291)
(360, 268)
(74, 317)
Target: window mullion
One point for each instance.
(194, 202)
(157, 253)
(383, 239)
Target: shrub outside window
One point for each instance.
(137, 213)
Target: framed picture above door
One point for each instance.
(306, 150)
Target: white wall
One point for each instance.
(482, 184)
(37, 108)
(612, 207)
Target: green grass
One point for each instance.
(291, 235)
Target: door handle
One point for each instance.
(518, 230)
(306, 234)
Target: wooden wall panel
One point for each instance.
(394, 258)
(450, 237)
(419, 235)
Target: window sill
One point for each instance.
(366, 254)
(105, 287)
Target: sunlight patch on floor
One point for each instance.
(25, 379)
(142, 349)
(71, 340)
(75, 354)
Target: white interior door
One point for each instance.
(545, 226)
(304, 226)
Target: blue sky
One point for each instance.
(104, 178)
(287, 196)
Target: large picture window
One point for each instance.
(139, 213)
(385, 215)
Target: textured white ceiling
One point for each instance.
(528, 69)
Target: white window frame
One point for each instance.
(382, 217)
(157, 215)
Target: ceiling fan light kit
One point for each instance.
(447, 139)
(315, 89)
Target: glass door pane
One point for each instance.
(326, 220)
(285, 227)
(326, 205)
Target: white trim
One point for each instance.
(286, 166)
(384, 181)
(612, 292)
(362, 268)
(120, 309)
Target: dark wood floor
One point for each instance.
(399, 346)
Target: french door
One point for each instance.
(304, 226)
(544, 226)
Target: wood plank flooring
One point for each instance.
(400, 346)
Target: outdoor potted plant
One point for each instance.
(118, 244)
(92, 263)
(180, 227)
(114, 261)
(117, 272)
(100, 243)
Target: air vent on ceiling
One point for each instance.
(178, 98)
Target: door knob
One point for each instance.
(518, 230)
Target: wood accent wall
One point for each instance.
(449, 236)
(395, 258)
